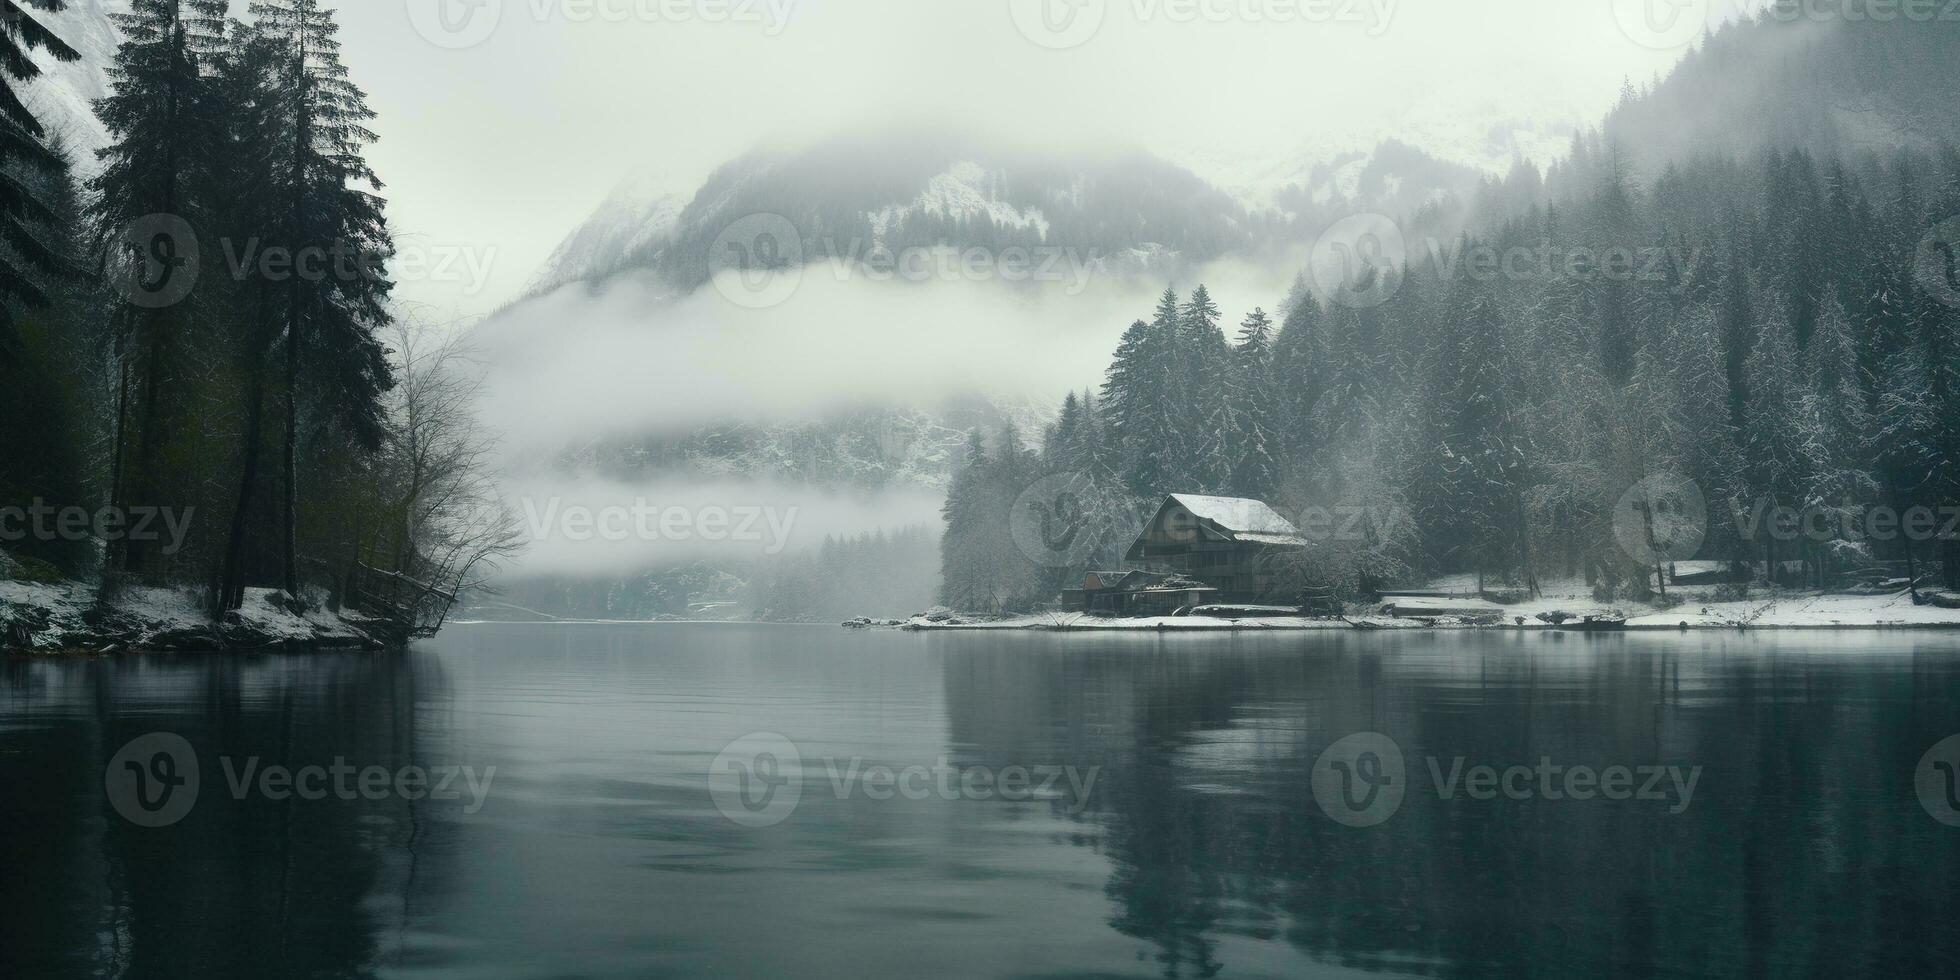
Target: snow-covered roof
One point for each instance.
(1247, 520)
(1277, 540)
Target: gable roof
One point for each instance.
(1244, 519)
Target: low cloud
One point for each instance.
(581, 525)
(630, 358)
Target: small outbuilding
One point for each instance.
(1136, 593)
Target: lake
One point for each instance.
(758, 801)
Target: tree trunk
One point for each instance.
(231, 593)
(231, 588)
(302, 147)
(134, 554)
(1912, 567)
(113, 560)
(290, 526)
(148, 434)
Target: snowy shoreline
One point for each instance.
(63, 618)
(1792, 611)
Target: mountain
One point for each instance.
(849, 194)
(1130, 211)
(637, 218)
(1854, 90)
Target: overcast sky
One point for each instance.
(505, 122)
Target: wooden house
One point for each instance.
(1228, 543)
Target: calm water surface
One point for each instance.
(1200, 848)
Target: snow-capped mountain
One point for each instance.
(1448, 152)
(966, 191)
(636, 218)
(63, 97)
(1135, 211)
(903, 189)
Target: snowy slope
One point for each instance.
(905, 188)
(63, 97)
(1139, 213)
(1486, 141)
(637, 218)
(965, 191)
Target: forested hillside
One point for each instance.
(1770, 324)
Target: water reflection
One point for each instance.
(1805, 851)
(238, 887)
(1200, 850)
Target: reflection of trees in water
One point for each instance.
(256, 887)
(1804, 850)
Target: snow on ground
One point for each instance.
(1431, 606)
(1698, 609)
(1167, 624)
(1699, 606)
(64, 615)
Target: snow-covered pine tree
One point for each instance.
(1162, 434)
(1773, 441)
(1205, 409)
(1467, 489)
(1254, 392)
(1835, 429)
(1126, 395)
(23, 146)
(961, 546)
(1298, 368)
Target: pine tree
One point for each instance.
(1472, 449)
(961, 546)
(47, 377)
(1125, 398)
(1298, 371)
(1142, 403)
(331, 350)
(23, 147)
(1835, 427)
(1204, 363)
(247, 86)
(1255, 469)
(1738, 324)
(1774, 440)
(1063, 448)
(162, 125)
